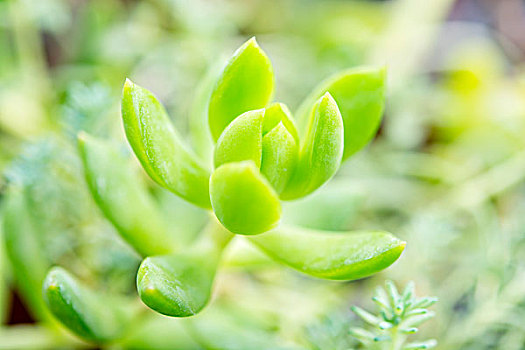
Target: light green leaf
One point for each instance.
(85, 312)
(160, 149)
(279, 156)
(241, 140)
(245, 84)
(360, 95)
(123, 198)
(321, 151)
(180, 284)
(176, 285)
(243, 200)
(331, 255)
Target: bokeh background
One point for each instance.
(446, 171)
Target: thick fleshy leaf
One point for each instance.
(321, 151)
(245, 84)
(279, 156)
(331, 255)
(85, 312)
(360, 95)
(243, 200)
(241, 140)
(23, 249)
(123, 198)
(160, 149)
(176, 285)
(180, 284)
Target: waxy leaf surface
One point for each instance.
(123, 198)
(160, 149)
(246, 84)
(321, 150)
(180, 284)
(331, 255)
(243, 200)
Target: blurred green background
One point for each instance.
(445, 173)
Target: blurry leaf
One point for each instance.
(241, 140)
(65, 220)
(159, 332)
(201, 136)
(331, 332)
(180, 284)
(35, 336)
(429, 344)
(218, 328)
(85, 312)
(86, 108)
(334, 207)
(245, 84)
(122, 197)
(321, 150)
(24, 251)
(331, 255)
(360, 95)
(160, 149)
(243, 200)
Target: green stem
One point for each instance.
(397, 339)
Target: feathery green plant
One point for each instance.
(398, 316)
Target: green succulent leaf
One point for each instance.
(246, 84)
(123, 198)
(176, 285)
(321, 151)
(180, 284)
(160, 149)
(241, 140)
(360, 95)
(331, 255)
(85, 312)
(243, 200)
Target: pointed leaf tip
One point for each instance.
(245, 84)
(87, 313)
